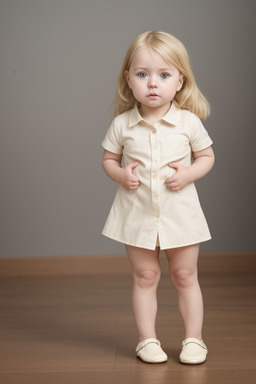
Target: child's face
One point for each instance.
(154, 83)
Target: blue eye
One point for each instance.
(164, 75)
(142, 75)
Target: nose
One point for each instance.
(152, 82)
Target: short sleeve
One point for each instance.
(112, 141)
(199, 136)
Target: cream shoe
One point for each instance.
(193, 351)
(150, 351)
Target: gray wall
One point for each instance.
(59, 62)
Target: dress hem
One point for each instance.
(186, 244)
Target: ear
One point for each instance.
(127, 76)
(181, 81)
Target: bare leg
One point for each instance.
(146, 275)
(183, 273)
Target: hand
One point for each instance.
(126, 177)
(180, 179)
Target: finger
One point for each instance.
(135, 180)
(134, 186)
(133, 165)
(173, 185)
(171, 180)
(174, 165)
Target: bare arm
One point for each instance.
(111, 163)
(203, 163)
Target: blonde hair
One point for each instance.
(173, 52)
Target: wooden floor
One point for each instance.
(69, 320)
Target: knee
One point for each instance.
(147, 278)
(183, 278)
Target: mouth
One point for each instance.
(153, 95)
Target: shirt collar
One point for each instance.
(135, 116)
(172, 116)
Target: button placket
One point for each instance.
(155, 177)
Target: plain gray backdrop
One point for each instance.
(59, 63)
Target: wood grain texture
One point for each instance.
(76, 326)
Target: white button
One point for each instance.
(155, 195)
(153, 130)
(155, 160)
(157, 214)
(154, 175)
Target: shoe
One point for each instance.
(150, 351)
(193, 351)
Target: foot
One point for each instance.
(193, 351)
(150, 351)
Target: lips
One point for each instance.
(152, 95)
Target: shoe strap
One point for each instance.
(143, 343)
(194, 341)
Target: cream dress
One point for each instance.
(153, 214)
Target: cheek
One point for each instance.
(173, 88)
(171, 92)
(137, 88)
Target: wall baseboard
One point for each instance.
(112, 264)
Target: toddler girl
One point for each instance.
(156, 130)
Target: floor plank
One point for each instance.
(79, 328)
